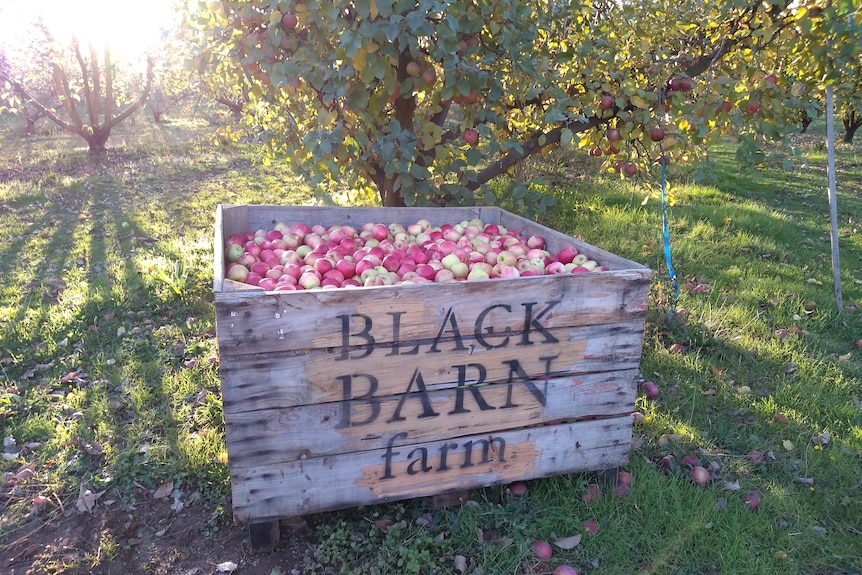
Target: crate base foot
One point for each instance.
(263, 536)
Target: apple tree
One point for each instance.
(90, 90)
(425, 102)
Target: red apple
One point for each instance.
(752, 108)
(606, 102)
(471, 136)
(289, 21)
(542, 550)
(656, 134)
(612, 134)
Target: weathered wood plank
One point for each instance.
(274, 380)
(370, 477)
(291, 321)
(273, 436)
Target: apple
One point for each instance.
(234, 251)
(429, 76)
(650, 389)
(567, 254)
(771, 79)
(471, 136)
(612, 134)
(630, 169)
(565, 570)
(237, 272)
(656, 134)
(413, 68)
(542, 550)
(752, 108)
(289, 21)
(606, 102)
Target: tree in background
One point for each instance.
(38, 56)
(89, 89)
(850, 96)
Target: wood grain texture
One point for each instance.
(301, 320)
(274, 436)
(336, 482)
(274, 380)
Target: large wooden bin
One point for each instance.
(344, 397)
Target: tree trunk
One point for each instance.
(98, 140)
(852, 121)
(806, 121)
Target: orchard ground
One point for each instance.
(110, 383)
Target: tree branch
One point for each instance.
(92, 111)
(529, 148)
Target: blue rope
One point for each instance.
(666, 232)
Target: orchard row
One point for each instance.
(295, 257)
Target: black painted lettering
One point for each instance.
(472, 388)
(479, 328)
(364, 334)
(396, 336)
(531, 322)
(422, 395)
(444, 450)
(368, 397)
(453, 324)
(422, 460)
(517, 374)
(486, 450)
(387, 457)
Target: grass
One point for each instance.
(108, 361)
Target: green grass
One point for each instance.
(108, 349)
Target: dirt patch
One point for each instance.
(149, 538)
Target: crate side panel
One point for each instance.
(275, 380)
(279, 435)
(268, 492)
(366, 316)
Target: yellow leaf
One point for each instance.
(359, 60)
(373, 9)
(788, 445)
(639, 101)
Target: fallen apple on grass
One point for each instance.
(542, 550)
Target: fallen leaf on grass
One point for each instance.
(822, 440)
(227, 567)
(163, 490)
(568, 542)
(788, 445)
(460, 563)
(807, 481)
(87, 499)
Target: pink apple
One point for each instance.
(237, 272)
(444, 275)
(309, 280)
(268, 284)
(426, 271)
(346, 267)
(536, 242)
(555, 268)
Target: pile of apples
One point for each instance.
(296, 256)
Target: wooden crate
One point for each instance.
(346, 397)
